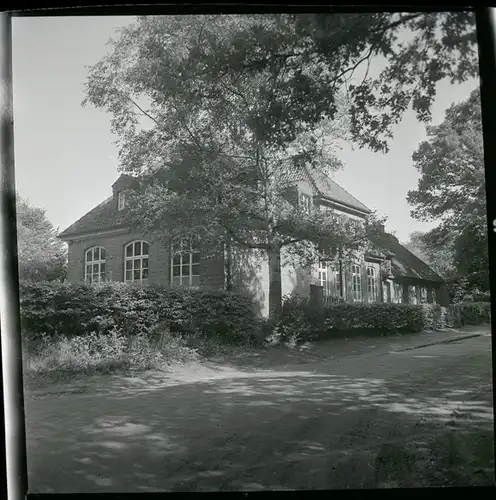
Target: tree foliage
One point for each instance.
(440, 258)
(310, 57)
(451, 189)
(42, 256)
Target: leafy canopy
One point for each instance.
(303, 61)
(42, 256)
(451, 189)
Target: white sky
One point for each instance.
(66, 159)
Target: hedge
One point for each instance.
(307, 321)
(469, 313)
(75, 309)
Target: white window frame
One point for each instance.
(306, 203)
(99, 275)
(323, 277)
(356, 282)
(121, 200)
(398, 292)
(371, 284)
(185, 254)
(412, 295)
(338, 280)
(134, 258)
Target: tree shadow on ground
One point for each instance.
(273, 430)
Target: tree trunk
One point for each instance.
(275, 285)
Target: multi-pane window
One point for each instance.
(185, 263)
(121, 200)
(323, 276)
(371, 284)
(336, 272)
(398, 293)
(357, 225)
(136, 262)
(356, 282)
(94, 265)
(338, 281)
(305, 203)
(423, 295)
(412, 295)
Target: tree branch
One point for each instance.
(290, 242)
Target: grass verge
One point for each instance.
(63, 357)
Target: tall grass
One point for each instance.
(98, 353)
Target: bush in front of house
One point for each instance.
(435, 317)
(300, 319)
(303, 320)
(222, 315)
(75, 309)
(374, 319)
(469, 313)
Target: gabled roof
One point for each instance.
(331, 190)
(324, 186)
(103, 217)
(403, 262)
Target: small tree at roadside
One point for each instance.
(42, 256)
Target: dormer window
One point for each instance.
(121, 200)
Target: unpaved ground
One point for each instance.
(231, 361)
(375, 418)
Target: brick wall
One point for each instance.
(211, 269)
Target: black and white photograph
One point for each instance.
(252, 251)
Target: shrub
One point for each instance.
(227, 316)
(469, 313)
(76, 309)
(302, 320)
(478, 297)
(435, 316)
(375, 318)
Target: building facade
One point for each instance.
(101, 247)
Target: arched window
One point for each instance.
(371, 284)
(94, 265)
(136, 262)
(185, 263)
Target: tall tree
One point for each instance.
(256, 97)
(451, 190)
(42, 256)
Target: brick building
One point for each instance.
(102, 247)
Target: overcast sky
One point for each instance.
(66, 160)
